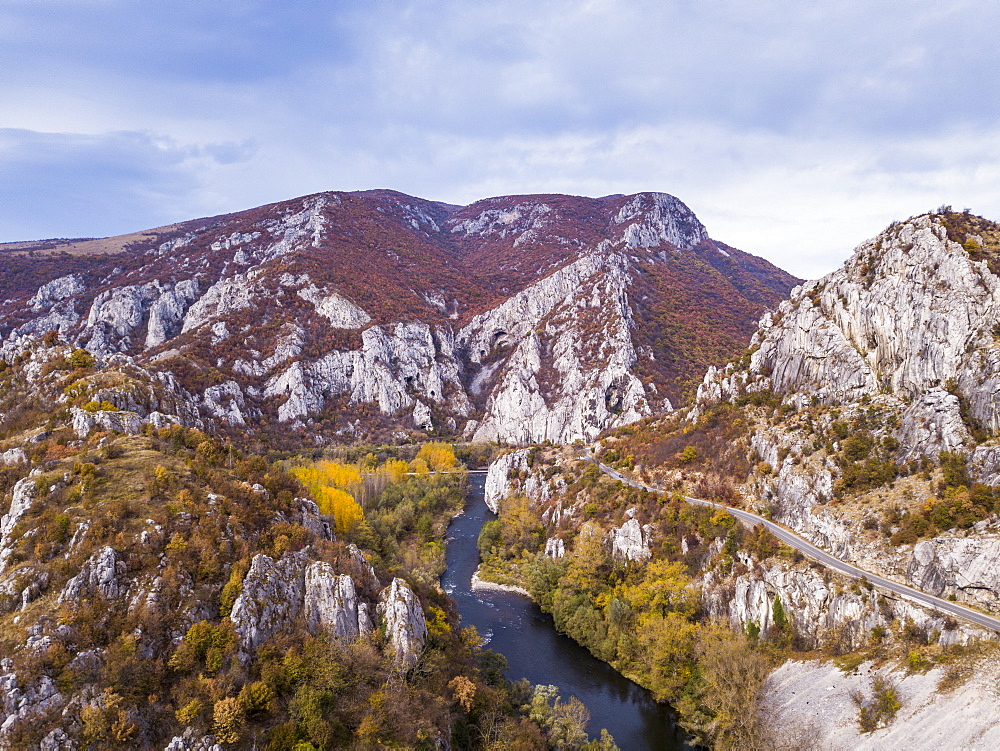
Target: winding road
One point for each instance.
(821, 556)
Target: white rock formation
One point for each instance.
(562, 381)
(166, 315)
(337, 309)
(58, 289)
(332, 605)
(226, 402)
(403, 617)
(21, 703)
(20, 503)
(115, 314)
(271, 597)
(932, 424)
(555, 548)
(651, 219)
(413, 357)
(226, 296)
(821, 612)
(630, 542)
(13, 456)
(84, 422)
(100, 575)
(497, 485)
(909, 312)
(966, 567)
(422, 416)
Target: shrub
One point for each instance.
(229, 721)
(81, 358)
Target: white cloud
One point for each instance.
(794, 130)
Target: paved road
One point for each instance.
(818, 554)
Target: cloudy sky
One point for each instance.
(793, 129)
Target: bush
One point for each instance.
(81, 358)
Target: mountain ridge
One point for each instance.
(395, 279)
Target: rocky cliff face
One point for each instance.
(880, 367)
(520, 319)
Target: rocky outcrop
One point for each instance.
(270, 599)
(58, 289)
(932, 424)
(512, 473)
(12, 457)
(630, 542)
(403, 617)
(85, 422)
(338, 310)
(115, 314)
(413, 357)
(166, 314)
(21, 703)
(225, 401)
(497, 485)
(226, 296)
(555, 548)
(20, 503)
(274, 593)
(332, 605)
(908, 313)
(192, 740)
(563, 381)
(823, 610)
(100, 576)
(967, 568)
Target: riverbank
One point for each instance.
(511, 624)
(482, 584)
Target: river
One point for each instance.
(515, 627)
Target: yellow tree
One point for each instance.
(440, 457)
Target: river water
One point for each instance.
(515, 627)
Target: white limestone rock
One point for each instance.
(338, 310)
(497, 485)
(84, 422)
(555, 548)
(821, 613)
(19, 704)
(271, 597)
(932, 424)
(332, 605)
(226, 296)
(569, 373)
(403, 617)
(422, 416)
(654, 219)
(193, 740)
(310, 518)
(13, 457)
(288, 347)
(630, 542)
(100, 576)
(226, 402)
(966, 567)
(390, 364)
(21, 499)
(58, 289)
(166, 314)
(115, 314)
(907, 313)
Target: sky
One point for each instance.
(794, 130)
